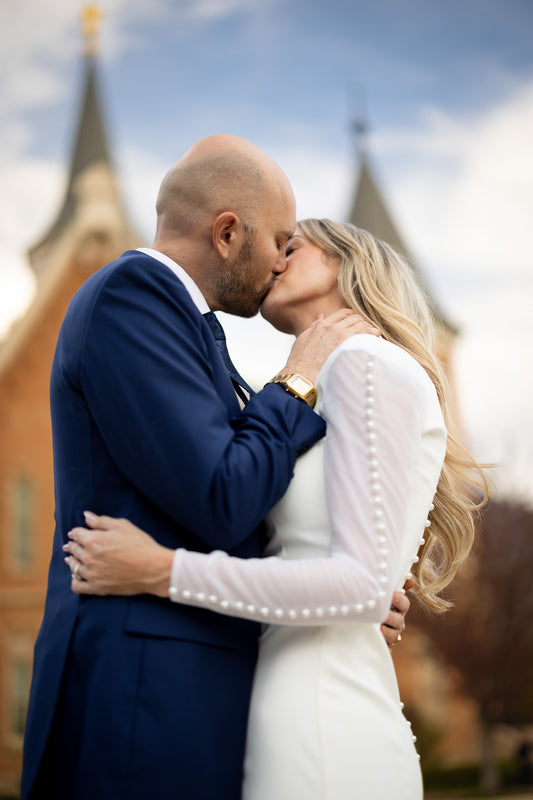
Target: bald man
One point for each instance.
(139, 697)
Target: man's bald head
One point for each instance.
(218, 173)
(224, 213)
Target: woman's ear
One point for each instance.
(226, 233)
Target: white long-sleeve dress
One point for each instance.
(325, 719)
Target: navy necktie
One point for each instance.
(239, 383)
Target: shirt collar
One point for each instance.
(196, 295)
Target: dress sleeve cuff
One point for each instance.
(174, 575)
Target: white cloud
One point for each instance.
(461, 191)
(464, 187)
(40, 41)
(322, 180)
(140, 174)
(459, 188)
(30, 193)
(17, 287)
(213, 9)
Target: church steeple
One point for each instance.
(91, 140)
(369, 211)
(90, 144)
(91, 181)
(90, 147)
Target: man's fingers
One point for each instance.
(401, 602)
(395, 622)
(394, 625)
(391, 635)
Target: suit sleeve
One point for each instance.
(374, 413)
(146, 374)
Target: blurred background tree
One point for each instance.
(487, 638)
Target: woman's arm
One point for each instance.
(119, 558)
(374, 409)
(374, 414)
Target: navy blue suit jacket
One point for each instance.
(138, 696)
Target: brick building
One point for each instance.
(90, 229)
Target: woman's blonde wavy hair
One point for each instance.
(379, 284)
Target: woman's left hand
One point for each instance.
(113, 556)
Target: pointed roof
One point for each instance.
(369, 211)
(91, 227)
(90, 144)
(90, 147)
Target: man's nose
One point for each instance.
(280, 265)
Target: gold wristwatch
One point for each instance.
(298, 386)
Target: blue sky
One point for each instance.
(447, 91)
(262, 64)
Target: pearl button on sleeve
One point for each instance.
(374, 402)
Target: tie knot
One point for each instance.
(216, 328)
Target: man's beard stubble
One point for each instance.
(236, 289)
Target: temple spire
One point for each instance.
(358, 114)
(91, 141)
(90, 146)
(369, 211)
(91, 19)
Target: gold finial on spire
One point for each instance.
(91, 16)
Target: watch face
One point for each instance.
(299, 384)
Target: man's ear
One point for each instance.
(227, 232)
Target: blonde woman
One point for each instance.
(384, 496)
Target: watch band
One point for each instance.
(298, 386)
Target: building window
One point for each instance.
(16, 657)
(20, 689)
(22, 539)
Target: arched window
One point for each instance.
(16, 667)
(22, 523)
(20, 669)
